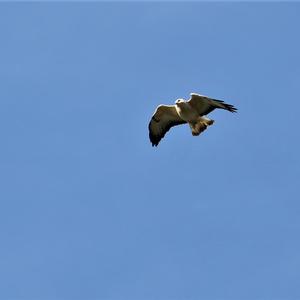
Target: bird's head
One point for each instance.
(179, 101)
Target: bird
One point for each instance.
(192, 112)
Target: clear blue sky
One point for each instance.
(90, 211)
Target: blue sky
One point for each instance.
(89, 210)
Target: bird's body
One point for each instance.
(192, 112)
(186, 112)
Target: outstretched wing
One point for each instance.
(204, 105)
(163, 119)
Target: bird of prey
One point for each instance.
(193, 112)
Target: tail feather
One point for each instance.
(200, 126)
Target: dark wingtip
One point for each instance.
(230, 107)
(154, 140)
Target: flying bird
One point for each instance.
(192, 111)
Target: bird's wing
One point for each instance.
(162, 120)
(204, 105)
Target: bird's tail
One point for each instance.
(200, 125)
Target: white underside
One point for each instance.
(186, 112)
(197, 123)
